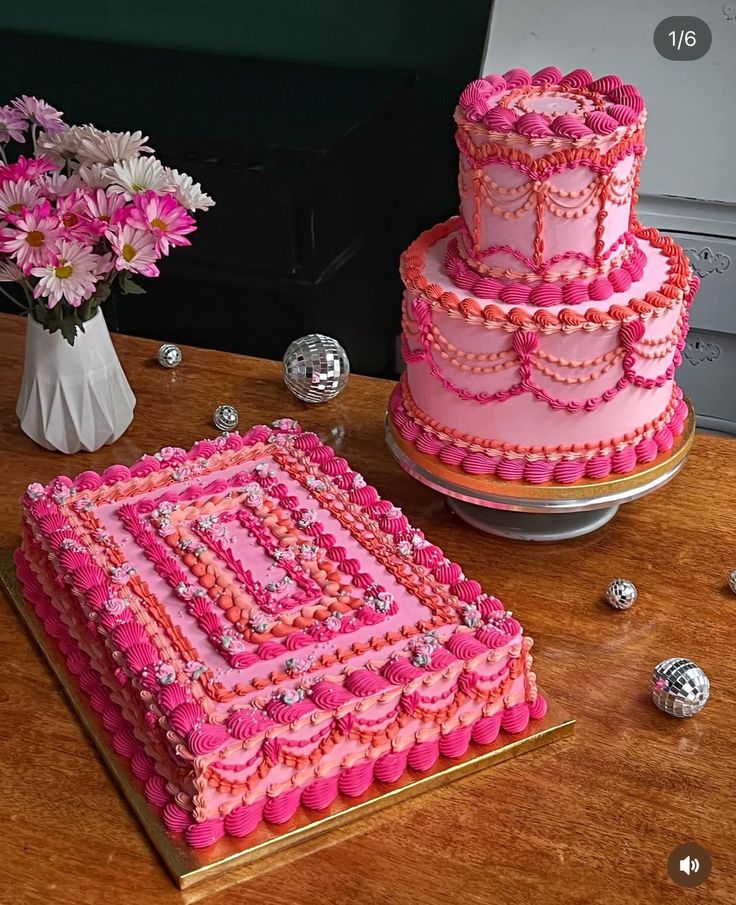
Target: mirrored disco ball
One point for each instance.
(679, 687)
(316, 368)
(621, 593)
(225, 417)
(169, 355)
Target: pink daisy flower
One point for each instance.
(105, 210)
(134, 249)
(13, 125)
(31, 236)
(57, 185)
(74, 217)
(70, 274)
(15, 197)
(40, 113)
(164, 217)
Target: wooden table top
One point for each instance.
(588, 819)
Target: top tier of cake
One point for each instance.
(549, 166)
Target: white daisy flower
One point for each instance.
(141, 174)
(188, 192)
(95, 175)
(98, 146)
(59, 147)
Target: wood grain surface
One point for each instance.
(586, 820)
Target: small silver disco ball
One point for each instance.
(732, 581)
(316, 368)
(169, 355)
(621, 593)
(226, 417)
(679, 687)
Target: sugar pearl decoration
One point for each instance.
(679, 687)
(621, 593)
(732, 581)
(169, 355)
(316, 368)
(225, 417)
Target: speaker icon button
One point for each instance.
(689, 864)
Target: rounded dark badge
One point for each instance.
(689, 864)
(682, 38)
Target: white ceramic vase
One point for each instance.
(73, 397)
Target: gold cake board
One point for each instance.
(190, 866)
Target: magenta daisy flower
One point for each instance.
(70, 274)
(40, 113)
(30, 237)
(25, 167)
(74, 217)
(13, 125)
(164, 218)
(104, 210)
(134, 250)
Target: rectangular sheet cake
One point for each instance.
(260, 631)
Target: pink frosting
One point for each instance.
(355, 780)
(423, 755)
(517, 78)
(244, 818)
(285, 713)
(455, 743)
(207, 738)
(320, 794)
(176, 818)
(515, 719)
(389, 767)
(155, 790)
(201, 835)
(486, 729)
(364, 682)
(330, 696)
(538, 708)
(283, 807)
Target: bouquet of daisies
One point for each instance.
(84, 209)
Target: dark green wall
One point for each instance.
(435, 36)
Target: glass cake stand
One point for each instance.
(542, 513)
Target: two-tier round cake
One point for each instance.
(543, 325)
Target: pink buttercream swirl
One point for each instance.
(320, 794)
(244, 819)
(282, 807)
(355, 780)
(202, 835)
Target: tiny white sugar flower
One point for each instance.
(188, 192)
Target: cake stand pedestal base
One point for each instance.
(532, 526)
(190, 866)
(539, 512)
